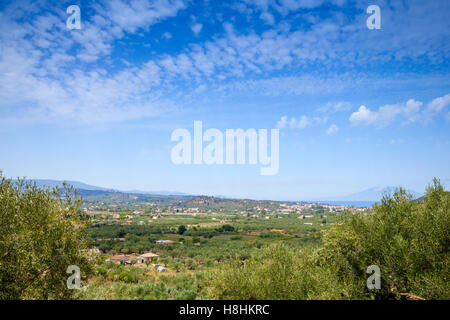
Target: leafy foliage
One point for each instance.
(43, 232)
(41, 235)
(408, 240)
(181, 229)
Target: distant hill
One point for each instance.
(83, 186)
(372, 194)
(366, 196)
(118, 196)
(59, 183)
(163, 193)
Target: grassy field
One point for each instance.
(208, 242)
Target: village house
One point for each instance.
(110, 239)
(285, 211)
(164, 242)
(149, 256)
(161, 269)
(120, 259)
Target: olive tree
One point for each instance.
(42, 234)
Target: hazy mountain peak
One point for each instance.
(371, 194)
(84, 186)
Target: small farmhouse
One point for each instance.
(149, 256)
(164, 241)
(121, 259)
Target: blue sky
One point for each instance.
(356, 108)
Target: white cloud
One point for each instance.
(285, 6)
(318, 120)
(333, 129)
(196, 28)
(43, 74)
(299, 124)
(435, 107)
(281, 124)
(167, 35)
(132, 15)
(363, 116)
(387, 114)
(267, 17)
(412, 106)
(45, 68)
(333, 107)
(397, 141)
(293, 123)
(410, 111)
(439, 104)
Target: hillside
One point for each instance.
(108, 192)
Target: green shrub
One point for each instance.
(42, 234)
(408, 240)
(127, 277)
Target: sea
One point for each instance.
(349, 203)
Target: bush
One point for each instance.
(42, 234)
(270, 235)
(181, 229)
(126, 277)
(408, 240)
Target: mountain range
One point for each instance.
(370, 195)
(81, 185)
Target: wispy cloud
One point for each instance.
(299, 124)
(333, 129)
(333, 107)
(131, 15)
(196, 28)
(42, 71)
(48, 71)
(435, 107)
